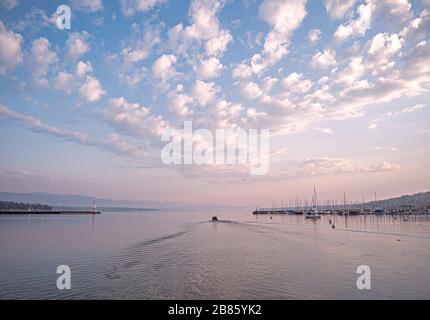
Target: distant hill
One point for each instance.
(421, 199)
(84, 201)
(71, 200)
(417, 200)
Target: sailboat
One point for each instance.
(313, 214)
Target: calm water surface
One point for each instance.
(181, 255)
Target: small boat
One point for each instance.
(378, 212)
(313, 214)
(215, 219)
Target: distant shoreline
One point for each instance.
(46, 212)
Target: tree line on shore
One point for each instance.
(21, 206)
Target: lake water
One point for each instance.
(181, 255)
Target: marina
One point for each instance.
(417, 204)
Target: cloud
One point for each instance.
(10, 49)
(284, 17)
(112, 142)
(40, 60)
(326, 166)
(83, 68)
(35, 19)
(91, 90)
(9, 4)
(314, 36)
(325, 130)
(251, 90)
(134, 119)
(296, 83)
(141, 45)
(179, 103)
(87, 5)
(324, 60)
(415, 108)
(339, 9)
(64, 82)
(203, 92)
(386, 148)
(383, 47)
(131, 7)
(208, 68)
(224, 114)
(163, 68)
(375, 123)
(205, 30)
(357, 27)
(77, 44)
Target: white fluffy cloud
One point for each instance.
(208, 68)
(64, 82)
(83, 68)
(179, 104)
(383, 47)
(324, 60)
(134, 119)
(10, 49)
(284, 17)
(140, 49)
(163, 68)
(204, 28)
(296, 83)
(112, 143)
(40, 59)
(357, 27)
(251, 90)
(88, 5)
(338, 9)
(314, 35)
(203, 92)
(334, 166)
(91, 90)
(77, 44)
(131, 7)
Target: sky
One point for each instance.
(342, 87)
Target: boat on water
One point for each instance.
(378, 212)
(215, 219)
(354, 212)
(313, 214)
